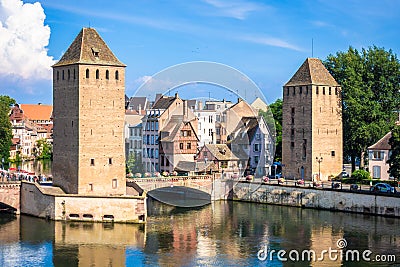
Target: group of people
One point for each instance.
(7, 176)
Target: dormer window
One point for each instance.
(95, 52)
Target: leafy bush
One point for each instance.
(360, 175)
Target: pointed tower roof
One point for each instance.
(89, 48)
(312, 72)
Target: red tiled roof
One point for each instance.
(312, 72)
(37, 111)
(383, 143)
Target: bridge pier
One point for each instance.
(10, 196)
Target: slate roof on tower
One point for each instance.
(312, 72)
(89, 48)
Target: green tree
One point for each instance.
(394, 159)
(276, 110)
(134, 163)
(43, 150)
(370, 94)
(5, 128)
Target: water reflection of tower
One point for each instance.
(80, 244)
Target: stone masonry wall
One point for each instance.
(317, 199)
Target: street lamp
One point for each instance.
(319, 160)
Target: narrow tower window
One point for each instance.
(63, 74)
(87, 73)
(69, 74)
(58, 75)
(107, 75)
(116, 75)
(97, 74)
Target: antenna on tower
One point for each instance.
(312, 47)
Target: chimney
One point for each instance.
(184, 107)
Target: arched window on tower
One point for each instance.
(74, 75)
(63, 74)
(97, 74)
(116, 75)
(87, 73)
(58, 75)
(107, 75)
(69, 74)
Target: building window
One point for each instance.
(293, 111)
(162, 160)
(63, 74)
(69, 74)
(377, 155)
(156, 126)
(91, 162)
(291, 144)
(152, 126)
(87, 73)
(90, 187)
(323, 90)
(189, 145)
(156, 139)
(287, 90)
(58, 75)
(301, 90)
(74, 75)
(110, 161)
(107, 74)
(316, 90)
(205, 154)
(256, 159)
(180, 145)
(114, 183)
(97, 74)
(376, 172)
(304, 148)
(257, 147)
(336, 90)
(210, 119)
(330, 91)
(116, 75)
(210, 133)
(156, 153)
(258, 136)
(332, 153)
(152, 140)
(292, 133)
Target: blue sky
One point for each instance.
(265, 40)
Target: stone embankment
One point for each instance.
(308, 197)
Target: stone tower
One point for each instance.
(89, 101)
(312, 144)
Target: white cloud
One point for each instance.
(142, 79)
(235, 9)
(23, 41)
(269, 41)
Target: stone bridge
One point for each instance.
(202, 183)
(10, 197)
(180, 191)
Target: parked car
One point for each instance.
(383, 187)
(345, 174)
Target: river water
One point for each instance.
(220, 234)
